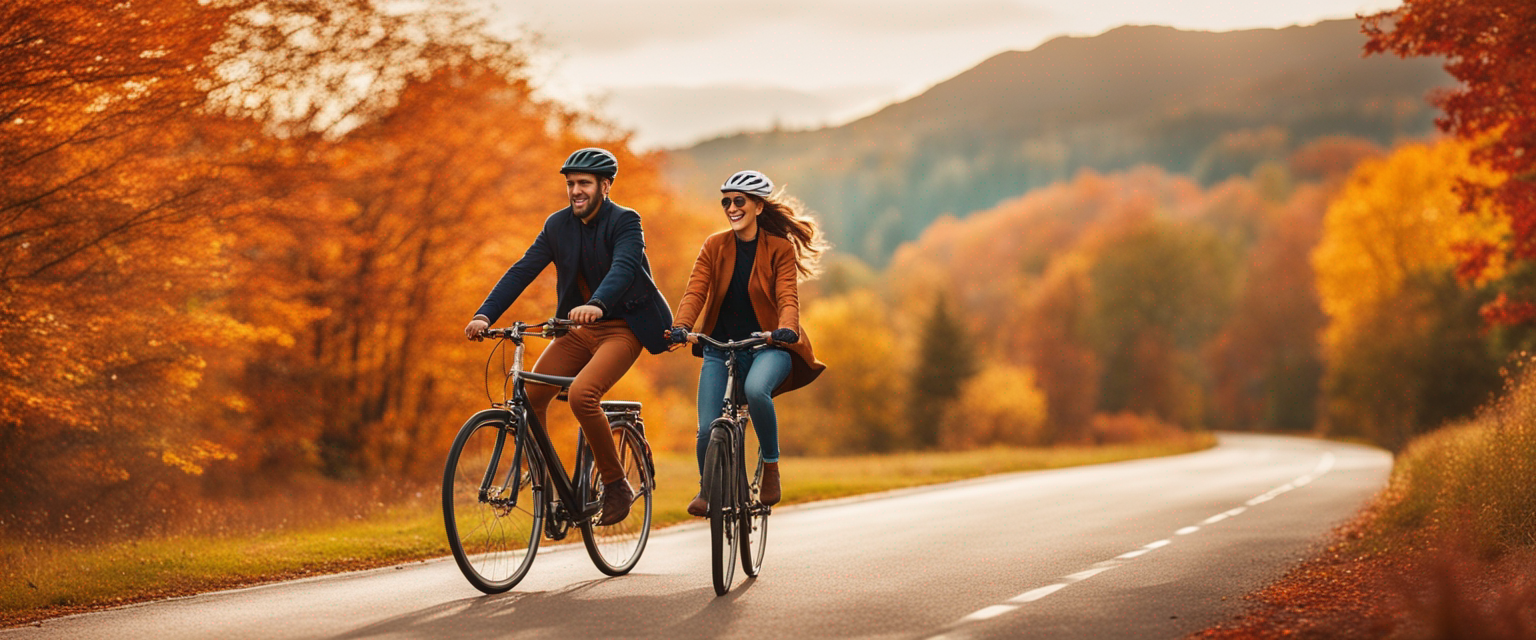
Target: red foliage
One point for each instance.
(1490, 46)
(1506, 311)
(1405, 585)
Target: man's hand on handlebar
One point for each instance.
(585, 314)
(476, 328)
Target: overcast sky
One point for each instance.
(594, 47)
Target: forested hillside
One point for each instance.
(1209, 105)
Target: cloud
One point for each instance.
(606, 26)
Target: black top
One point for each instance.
(737, 320)
(591, 265)
(623, 283)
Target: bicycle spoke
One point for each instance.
(616, 548)
(492, 541)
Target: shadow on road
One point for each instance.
(572, 611)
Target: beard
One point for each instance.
(591, 208)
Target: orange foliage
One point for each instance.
(225, 262)
(1121, 292)
(1125, 426)
(109, 232)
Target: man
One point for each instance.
(592, 242)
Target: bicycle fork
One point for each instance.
(513, 480)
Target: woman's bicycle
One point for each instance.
(736, 517)
(504, 487)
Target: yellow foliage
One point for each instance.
(855, 404)
(1395, 217)
(188, 459)
(1000, 405)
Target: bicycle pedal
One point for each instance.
(555, 532)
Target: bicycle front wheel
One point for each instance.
(719, 478)
(493, 502)
(617, 547)
(754, 527)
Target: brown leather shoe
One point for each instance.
(769, 494)
(699, 507)
(617, 496)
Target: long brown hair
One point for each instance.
(786, 216)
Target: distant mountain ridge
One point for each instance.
(1207, 104)
(680, 116)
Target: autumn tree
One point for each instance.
(1160, 290)
(1490, 47)
(855, 405)
(1052, 339)
(240, 237)
(946, 358)
(109, 214)
(1266, 364)
(999, 405)
(1402, 348)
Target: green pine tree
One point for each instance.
(946, 358)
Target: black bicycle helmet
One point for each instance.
(592, 160)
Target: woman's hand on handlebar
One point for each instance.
(782, 336)
(679, 335)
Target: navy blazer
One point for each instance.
(627, 289)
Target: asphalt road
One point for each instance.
(1143, 549)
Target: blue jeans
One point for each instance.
(765, 370)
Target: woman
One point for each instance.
(745, 281)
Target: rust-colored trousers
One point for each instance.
(597, 355)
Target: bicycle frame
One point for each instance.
(571, 489)
(732, 416)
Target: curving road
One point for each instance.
(1143, 549)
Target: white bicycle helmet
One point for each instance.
(750, 182)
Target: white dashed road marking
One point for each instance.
(1323, 466)
(1036, 594)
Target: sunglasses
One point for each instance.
(739, 201)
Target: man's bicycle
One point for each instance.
(504, 485)
(736, 517)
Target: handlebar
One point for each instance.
(756, 339)
(551, 328)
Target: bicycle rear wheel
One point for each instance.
(754, 527)
(617, 547)
(493, 502)
(723, 526)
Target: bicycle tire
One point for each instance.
(488, 553)
(722, 527)
(616, 548)
(754, 527)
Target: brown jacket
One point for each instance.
(772, 289)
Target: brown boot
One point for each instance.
(769, 494)
(617, 496)
(699, 507)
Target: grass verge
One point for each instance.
(44, 580)
(1447, 550)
